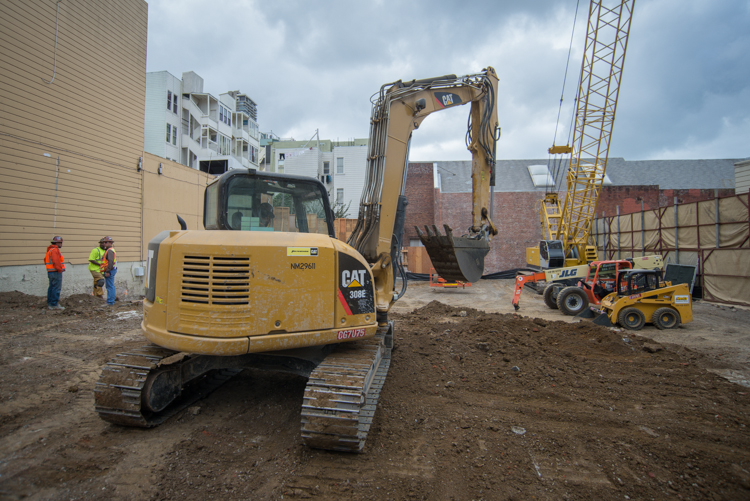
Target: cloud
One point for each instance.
(315, 66)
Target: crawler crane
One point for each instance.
(566, 229)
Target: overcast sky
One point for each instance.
(685, 91)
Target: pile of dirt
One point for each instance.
(476, 406)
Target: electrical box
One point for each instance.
(138, 271)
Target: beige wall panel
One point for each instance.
(651, 219)
(733, 209)
(624, 224)
(91, 117)
(179, 190)
(686, 215)
(706, 212)
(735, 287)
(733, 235)
(667, 217)
(707, 236)
(652, 239)
(688, 237)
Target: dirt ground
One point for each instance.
(479, 403)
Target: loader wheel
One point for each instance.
(572, 300)
(632, 318)
(666, 318)
(550, 295)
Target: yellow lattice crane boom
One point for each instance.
(566, 230)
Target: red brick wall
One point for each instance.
(516, 217)
(628, 198)
(420, 193)
(688, 196)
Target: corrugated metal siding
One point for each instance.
(156, 99)
(91, 117)
(742, 177)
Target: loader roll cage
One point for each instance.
(630, 282)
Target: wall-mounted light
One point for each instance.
(140, 164)
(160, 170)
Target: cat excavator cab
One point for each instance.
(267, 285)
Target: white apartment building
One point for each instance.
(340, 166)
(195, 128)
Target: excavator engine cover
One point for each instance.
(456, 259)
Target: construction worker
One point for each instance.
(55, 263)
(95, 266)
(109, 268)
(266, 215)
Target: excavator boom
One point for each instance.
(397, 110)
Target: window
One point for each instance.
(169, 131)
(174, 101)
(339, 195)
(224, 115)
(169, 99)
(326, 167)
(174, 135)
(339, 165)
(246, 202)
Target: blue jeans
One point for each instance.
(55, 285)
(110, 284)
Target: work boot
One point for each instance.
(57, 307)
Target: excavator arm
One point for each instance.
(397, 110)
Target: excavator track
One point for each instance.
(119, 393)
(342, 393)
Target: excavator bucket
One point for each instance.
(456, 259)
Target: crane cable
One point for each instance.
(557, 167)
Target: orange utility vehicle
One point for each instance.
(572, 289)
(438, 281)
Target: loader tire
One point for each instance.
(550, 295)
(632, 319)
(666, 318)
(572, 300)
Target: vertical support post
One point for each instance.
(676, 235)
(643, 232)
(619, 235)
(604, 230)
(716, 201)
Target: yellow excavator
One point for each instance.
(267, 285)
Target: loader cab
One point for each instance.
(631, 282)
(248, 200)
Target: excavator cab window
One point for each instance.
(267, 203)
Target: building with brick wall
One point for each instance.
(440, 193)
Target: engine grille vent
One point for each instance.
(215, 280)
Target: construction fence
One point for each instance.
(713, 235)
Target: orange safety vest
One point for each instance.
(105, 263)
(48, 261)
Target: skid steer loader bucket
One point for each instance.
(587, 313)
(603, 320)
(597, 317)
(455, 258)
